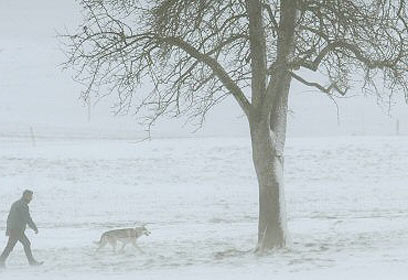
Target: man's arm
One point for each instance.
(28, 219)
(31, 223)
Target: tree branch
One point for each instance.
(354, 49)
(257, 43)
(218, 70)
(328, 90)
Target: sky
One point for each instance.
(36, 95)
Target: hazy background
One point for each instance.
(35, 93)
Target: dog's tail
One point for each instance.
(100, 240)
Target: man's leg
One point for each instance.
(13, 238)
(27, 249)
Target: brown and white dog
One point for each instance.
(124, 235)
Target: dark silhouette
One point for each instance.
(18, 218)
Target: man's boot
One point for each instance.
(29, 253)
(35, 263)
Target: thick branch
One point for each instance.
(218, 70)
(327, 90)
(258, 50)
(279, 69)
(354, 49)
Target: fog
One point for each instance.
(35, 92)
(196, 191)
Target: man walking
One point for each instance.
(19, 217)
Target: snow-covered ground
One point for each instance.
(347, 201)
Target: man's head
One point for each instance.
(28, 196)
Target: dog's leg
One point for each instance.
(113, 243)
(122, 250)
(99, 247)
(136, 246)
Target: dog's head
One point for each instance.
(143, 230)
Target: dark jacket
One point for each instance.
(19, 218)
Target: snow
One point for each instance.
(346, 204)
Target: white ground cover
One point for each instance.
(347, 202)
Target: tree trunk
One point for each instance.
(268, 136)
(268, 120)
(272, 232)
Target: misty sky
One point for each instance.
(34, 92)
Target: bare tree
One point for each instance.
(198, 52)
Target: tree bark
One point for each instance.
(268, 162)
(268, 122)
(268, 136)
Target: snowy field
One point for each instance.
(347, 202)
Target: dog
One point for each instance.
(124, 235)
